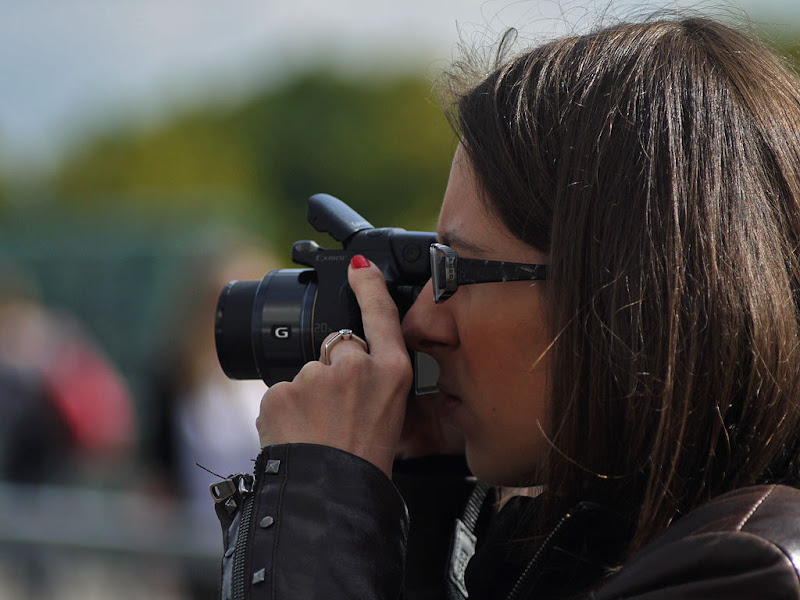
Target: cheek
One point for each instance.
(504, 337)
(506, 359)
(506, 353)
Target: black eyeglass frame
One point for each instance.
(448, 271)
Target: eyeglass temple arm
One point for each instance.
(472, 270)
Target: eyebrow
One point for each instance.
(452, 239)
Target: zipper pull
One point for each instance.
(245, 484)
(229, 492)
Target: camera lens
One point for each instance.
(263, 329)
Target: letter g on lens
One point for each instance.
(282, 332)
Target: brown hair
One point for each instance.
(659, 166)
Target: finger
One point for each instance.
(336, 339)
(378, 311)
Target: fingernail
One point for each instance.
(359, 262)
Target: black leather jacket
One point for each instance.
(316, 522)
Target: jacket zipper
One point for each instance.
(239, 574)
(518, 586)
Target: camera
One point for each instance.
(269, 329)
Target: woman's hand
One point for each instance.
(356, 403)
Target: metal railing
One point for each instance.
(39, 521)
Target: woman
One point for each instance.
(649, 382)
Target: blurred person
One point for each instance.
(67, 426)
(212, 416)
(629, 202)
(201, 422)
(66, 406)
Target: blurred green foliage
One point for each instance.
(381, 145)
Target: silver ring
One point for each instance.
(342, 334)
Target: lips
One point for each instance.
(449, 401)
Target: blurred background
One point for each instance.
(150, 151)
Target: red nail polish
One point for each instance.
(359, 262)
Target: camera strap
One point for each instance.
(464, 541)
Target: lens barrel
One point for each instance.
(263, 329)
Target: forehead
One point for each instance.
(469, 226)
(465, 222)
(463, 216)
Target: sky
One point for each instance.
(71, 66)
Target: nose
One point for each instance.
(430, 327)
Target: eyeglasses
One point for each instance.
(448, 271)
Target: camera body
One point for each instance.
(269, 329)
